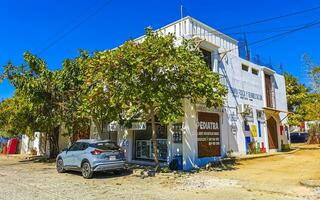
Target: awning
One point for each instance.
(277, 111)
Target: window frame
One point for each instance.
(207, 57)
(243, 66)
(255, 70)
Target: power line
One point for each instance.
(272, 18)
(271, 30)
(306, 26)
(309, 25)
(66, 26)
(74, 28)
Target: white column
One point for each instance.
(215, 59)
(190, 145)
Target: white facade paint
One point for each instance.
(244, 88)
(36, 143)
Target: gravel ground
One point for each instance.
(277, 177)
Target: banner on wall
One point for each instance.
(254, 130)
(208, 134)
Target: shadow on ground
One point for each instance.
(102, 175)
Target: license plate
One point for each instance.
(112, 157)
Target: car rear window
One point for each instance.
(106, 146)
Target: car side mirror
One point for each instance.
(65, 149)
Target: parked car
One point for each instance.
(299, 137)
(89, 156)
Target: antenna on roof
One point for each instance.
(181, 11)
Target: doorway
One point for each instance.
(272, 133)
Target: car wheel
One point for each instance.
(60, 166)
(86, 170)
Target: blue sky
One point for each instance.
(34, 24)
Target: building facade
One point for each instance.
(252, 119)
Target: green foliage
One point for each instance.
(16, 117)
(296, 95)
(154, 74)
(314, 73)
(311, 107)
(137, 81)
(312, 103)
(43, 99)
(153, 77)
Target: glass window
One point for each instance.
(255, 71)
(260, 115)
(177, 133)
(75, 147)
(106, 146)
(207, 57)
(246, 125)
(84, 146)
(245, 67)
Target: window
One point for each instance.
(245, 67)
(246, 125)
(260, 115)
(75, 147)
(105, 146)
(207, 57)
(255, 71)
(177, 133)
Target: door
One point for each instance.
(248, 140)
(79, 155)
(268, 85)
(272, 133)
(69, 158)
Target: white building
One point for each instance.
(254, 113)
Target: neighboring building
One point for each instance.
(254, 113)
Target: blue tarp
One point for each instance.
(3, 140)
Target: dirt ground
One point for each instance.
(277, 177)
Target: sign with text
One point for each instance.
(139, 126)
(208, 134)
(246, 95)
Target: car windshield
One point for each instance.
(106, 146)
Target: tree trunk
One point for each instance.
(98, 125)
(54, 142)
(45, 144)
(154, 139)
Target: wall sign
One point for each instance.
(204, 108)
(246, 95)
(254, 130)
(113, 126)
(139, 126)
(208, 134)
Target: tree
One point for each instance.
(36, 88)
(70, 81)
(311, 105)
(45, 99)
(16, 117)
(152, 78)
(296, 96)
(314, 73)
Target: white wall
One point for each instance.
(243, 88)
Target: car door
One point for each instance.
(69, 158)
(79, 155)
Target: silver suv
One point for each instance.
(89, 156)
